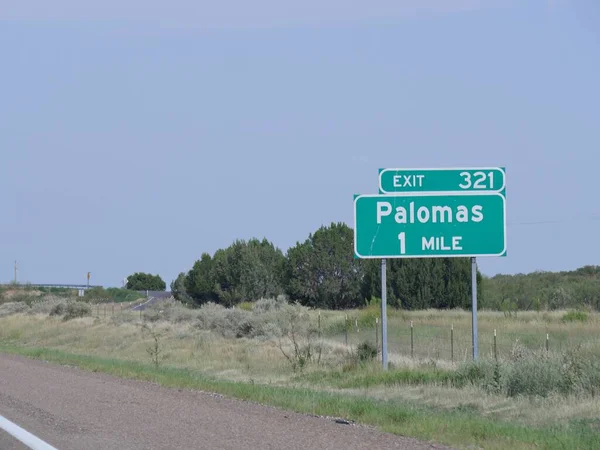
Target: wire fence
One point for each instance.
(448, 343)
(420, 340)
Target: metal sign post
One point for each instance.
(384, 350)
(474, 307)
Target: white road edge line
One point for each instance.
(24, 436)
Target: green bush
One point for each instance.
(11, 308)
(71, 310)
(366, 351)
(25, 297)
(170, 311)
(475, 373)
(77, 309)
(266, 305)
(269, 318)
(575, 316)
(535, 374)
(246, 306)
(58, 310)
(46, 305)
(369, 314)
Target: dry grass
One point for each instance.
(185, 345)
(431, 333)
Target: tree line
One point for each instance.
(541, 290)
(323, 272)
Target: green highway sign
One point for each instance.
(486, 179)
(430, 225)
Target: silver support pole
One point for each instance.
(474, 307)
(384, 349)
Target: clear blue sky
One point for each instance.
(134, 136)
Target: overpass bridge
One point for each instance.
(58, 286)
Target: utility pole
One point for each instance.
(16, 268)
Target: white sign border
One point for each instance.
(430, 194)
(441, 169)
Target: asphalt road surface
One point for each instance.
(7, 442)
(71, 409)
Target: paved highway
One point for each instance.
(71, 409)
(7, 442)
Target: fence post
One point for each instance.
(346, 329)
(319, 324)
(495, 347)
(412, 342)
(547, 342)
(452, 343)
(113, 310)
(377, 333)
(356, 323)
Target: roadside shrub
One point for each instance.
(266, 305)
(339, 326)
(535, 375)
(155, 350)
(575, 316)
(264, 330)
(580, 372)
(46, 305)
(58, 310)
(238, 323)
(367, 315)
(122, 319)
(366, 351)
(246, 306)
(25, 297)
(171, 311)
(474, 373)
(229, 323)
(77, 309)
(268, 319)
(299, 341)
(71, 310)
(8, 309)
(211, 316)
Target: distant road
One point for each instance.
(152, 298)
(71, 409)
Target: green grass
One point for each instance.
(575, 316)
(366, 379)
(460, 428)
